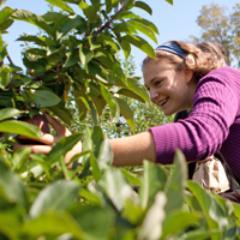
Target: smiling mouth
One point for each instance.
(163, 102)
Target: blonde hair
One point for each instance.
(201, 58)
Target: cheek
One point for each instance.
(168, 88)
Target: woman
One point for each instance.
(184, 77)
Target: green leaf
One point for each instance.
(63, 23)
(73, 23)
(151, 228)
(143, 6)
(61, 4)
(5, 76)
(169, 1)
(128, 4)
(147, 23)
(97, 138)
(132, 179)
(114, 108)
(34, 19)
(52, 223)
(126, 46)
(141, 44)
(90, 11)
(91, 197)
(133, 212)
(99, 227)
(55, 58)
(62, 147)
(85, 58)
(11, 187)
(8, 222)
(45, 98)
(21, 128)
(154, 180)
(5, 18)
(201, 234)
(105, 38)
(108, 5)
(39, 40)
(178, 221)
(214, 214)
(100, 104)
(72, 59)
(126, 112)
(3, 49)
(176, 183)
(143, 27)
(105, 156)
(126, 92)
(62, 112)
(116, 187)
(36, 52)
(19, 158)
(58, 195)
(72, 1)
(36, 167)
(7, 113)
(126, 15)
(136, 88)
(134, 26)
(38, 65)
(236, 209)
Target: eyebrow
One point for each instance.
(153, 79)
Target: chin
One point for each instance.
(168, 113)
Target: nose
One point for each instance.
(153, 95)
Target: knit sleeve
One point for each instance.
(202, 133)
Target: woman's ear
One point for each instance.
(190, 61)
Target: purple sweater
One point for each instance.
(213, 124)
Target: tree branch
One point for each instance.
(109, 22)
(10, 60)
(8, 57)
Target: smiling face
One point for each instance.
(170, 88)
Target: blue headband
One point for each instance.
(172, 47)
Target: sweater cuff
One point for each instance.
(163, 143)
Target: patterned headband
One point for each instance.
(172, 47)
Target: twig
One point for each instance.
(108, 23)
(10, 60)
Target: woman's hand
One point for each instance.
(46, 142)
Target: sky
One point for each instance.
(177, 21)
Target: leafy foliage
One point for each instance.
(148, 209)
(72, 67)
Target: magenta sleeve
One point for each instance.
(202, 133)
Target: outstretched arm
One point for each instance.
(130, 151)
(127, 151)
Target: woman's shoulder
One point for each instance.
(224, 73)
(220, 83)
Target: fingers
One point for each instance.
(61, 130)
(47, 139)
(43, 149)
